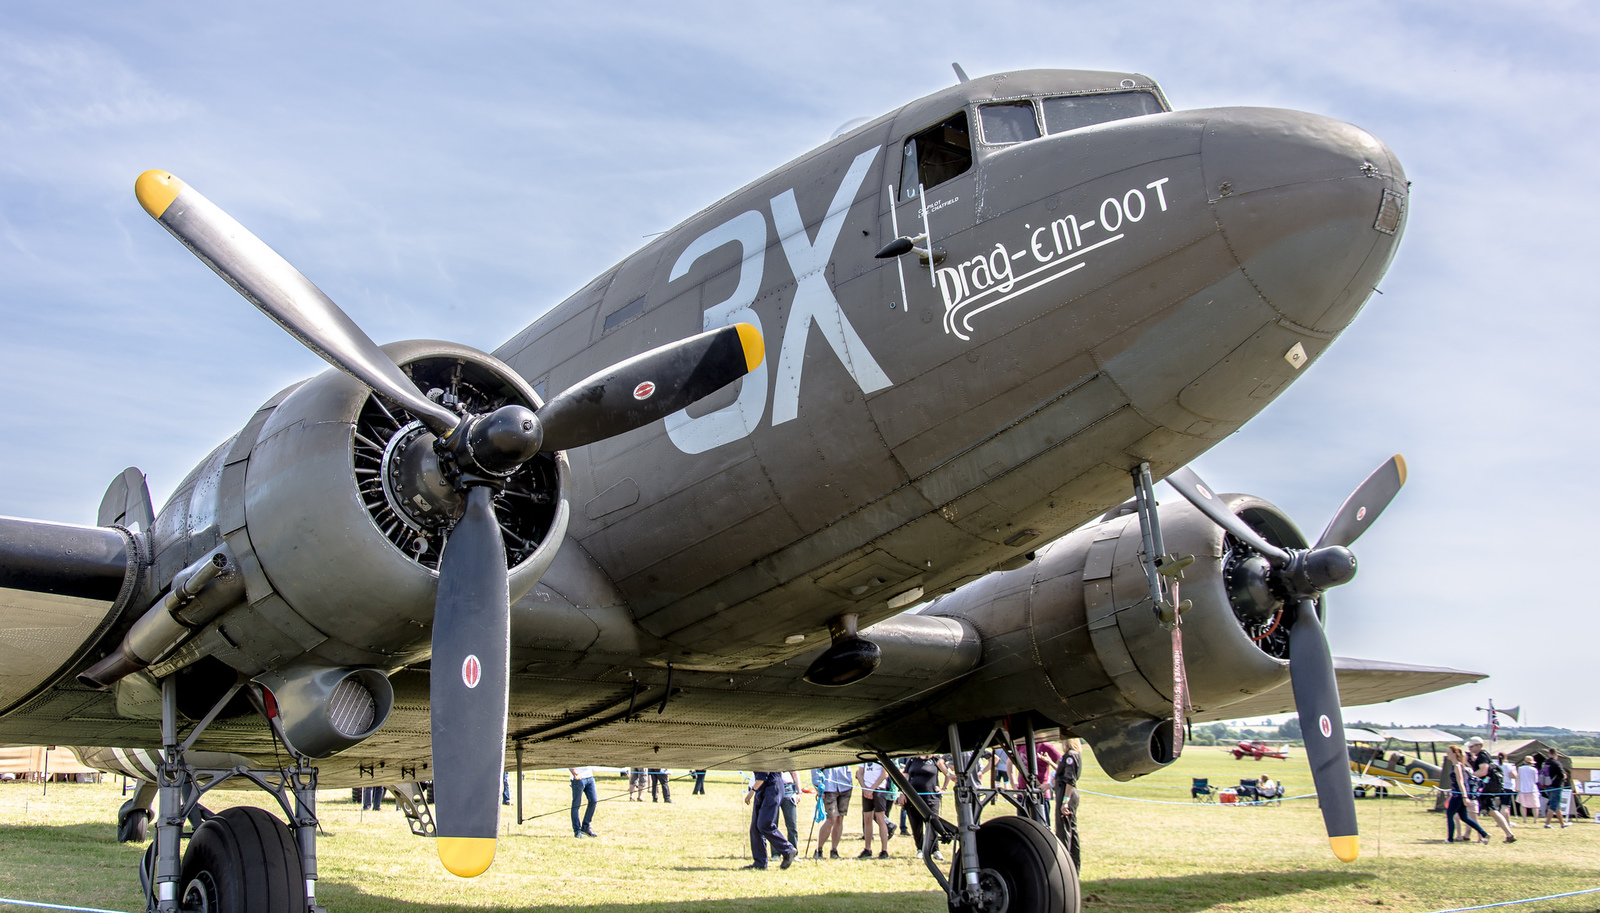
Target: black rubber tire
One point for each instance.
(243, 860)
(135, 827)
(1037, 874)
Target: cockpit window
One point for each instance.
(935, 155)
(1075, 111)
(1013, 122)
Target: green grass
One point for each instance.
(1144, 856)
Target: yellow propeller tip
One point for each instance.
(156, 190)
(1346, 848)
(754, 348)
(1400, 464)
(467, 857)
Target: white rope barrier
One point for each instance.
(1508, 903)
(52, 906)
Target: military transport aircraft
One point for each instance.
(841, 466)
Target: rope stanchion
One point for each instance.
(1510, 903)
(51, 906)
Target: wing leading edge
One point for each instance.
(1361, 682)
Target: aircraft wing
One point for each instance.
(1361, 682)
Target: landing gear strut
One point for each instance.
(241, 860)
(1010, 864)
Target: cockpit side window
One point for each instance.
(1075, 111)
(935, 155)
(1012, 122)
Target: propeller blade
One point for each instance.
(1316, 697)
(469, 686)
(649, 386)
(1365, 503)
(267, 281)
(1196, 492)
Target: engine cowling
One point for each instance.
(336, 537)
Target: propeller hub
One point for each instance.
(1322, 568)
(501, 441)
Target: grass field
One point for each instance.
(1138, 855)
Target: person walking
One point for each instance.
(1508, 777)
(660, 779)
(836, 790)
(637, 780)
(764, 797)
(1456, 784)
(583, 785)
(789, 805)
(1556, 792)
(1528, 786)
(874, 808)
(1492, 788)
(926, 775)
(699, 782)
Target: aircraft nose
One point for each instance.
(1312, 208)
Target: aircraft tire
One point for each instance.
(1024, 869)
(242, 860)
(134, 827)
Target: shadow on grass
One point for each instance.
(347, 898)
(1187, 893)
(1172, 894)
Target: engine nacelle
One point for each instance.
(338, 542)
(1099, 660)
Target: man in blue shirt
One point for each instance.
(837, 786)
(764, 797)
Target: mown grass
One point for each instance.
(685, 856)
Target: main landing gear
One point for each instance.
(239, 860)
(1010, 864)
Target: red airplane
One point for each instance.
(1255, 748)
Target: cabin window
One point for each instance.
(935, 155)
(623, 314)
(1013, 122)
(1075, 111)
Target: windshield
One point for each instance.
(1075, 111)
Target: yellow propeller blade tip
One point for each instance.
(754, 348)
(156, 190)
(1346, 848)
(1400, 464)
(466, 856)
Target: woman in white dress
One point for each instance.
(1528, 788)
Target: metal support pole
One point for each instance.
(1035, 786)
(169, 821)
(305, 827)
(519, 782)
(1149, 533)
(966, 800)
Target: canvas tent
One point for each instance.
(30, 762)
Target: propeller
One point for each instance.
(1303, 575)
(470, 680)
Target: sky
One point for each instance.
(452, 171)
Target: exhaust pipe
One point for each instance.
(199, 593)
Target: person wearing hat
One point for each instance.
(1492, 789)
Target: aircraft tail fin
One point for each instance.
(127, 503)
